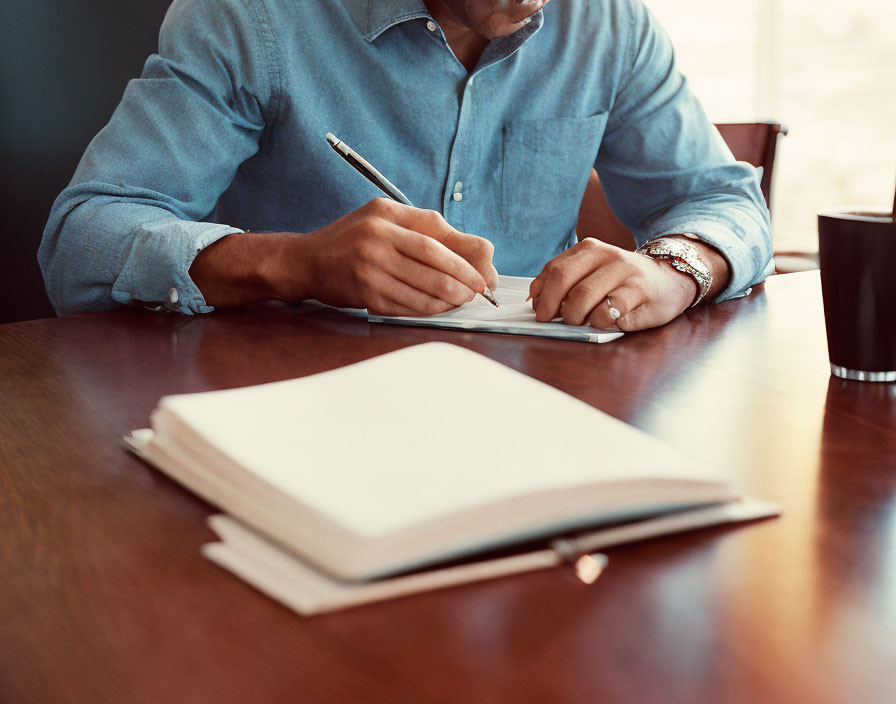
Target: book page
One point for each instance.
(435, 429)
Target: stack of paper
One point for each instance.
(419, 456)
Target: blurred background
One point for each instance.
(63, 67)
(827, 70)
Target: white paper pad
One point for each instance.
(513, 316)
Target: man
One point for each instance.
(213, 184)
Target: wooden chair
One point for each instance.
(753, 142)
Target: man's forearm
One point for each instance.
(384, 256)
(244, 268)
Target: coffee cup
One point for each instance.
(857, 253)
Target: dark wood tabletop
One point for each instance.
(104, 596)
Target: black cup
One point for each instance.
(857, 250)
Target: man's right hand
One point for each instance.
(387, 257)
(396, 260)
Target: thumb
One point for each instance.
(492, 279)
(535, 287)
(476, 250)
(644, 316)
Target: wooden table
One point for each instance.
(105, 598)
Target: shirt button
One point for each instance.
(173, 295)
(458, 196)
(470, 81)
(431, 26)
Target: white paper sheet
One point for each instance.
(513, 316)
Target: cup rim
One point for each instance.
(861, 213)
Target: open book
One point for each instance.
(418, 456)
(513, 316)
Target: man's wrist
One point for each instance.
(718, 265)
(247, 267)
(284, 268)
(683, 257)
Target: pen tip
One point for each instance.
(332, 139)
(490, 297)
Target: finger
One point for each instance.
(624, 299)
(591, 291)
(432, 224)
(436, 255)
(647, 315)
(390, 296)
(536, 286)
(493, 280)
(563, 273)
(430, 281)
(391, 308)
(478, 251)
(407, 216)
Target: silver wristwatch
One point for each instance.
(684, 257)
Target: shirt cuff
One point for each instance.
(156, 272)
(749, 265)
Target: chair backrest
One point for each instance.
(753, 142)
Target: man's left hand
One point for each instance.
(585, 282)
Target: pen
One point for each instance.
(366, 169)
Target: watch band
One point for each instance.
(685, 258)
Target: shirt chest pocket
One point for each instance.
(545, 168)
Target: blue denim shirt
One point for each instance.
(224, 132)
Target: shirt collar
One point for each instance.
(383, 14)
(503, 47)
(373, 17)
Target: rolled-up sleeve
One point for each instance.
(133, 219)
(665, 169)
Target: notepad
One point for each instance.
(513, 316)
(422, 455)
